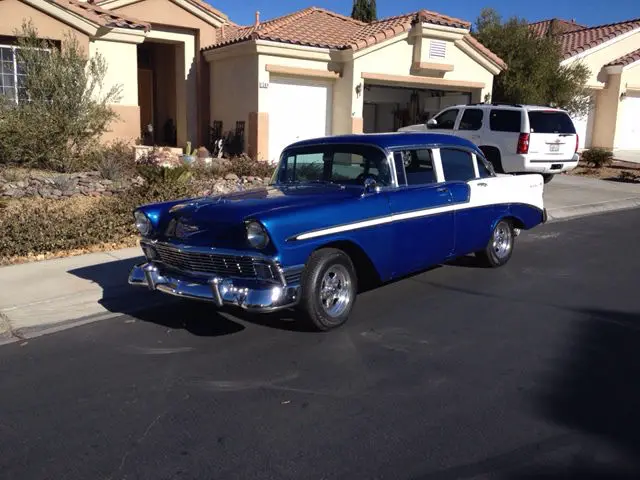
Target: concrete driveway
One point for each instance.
(627, 155)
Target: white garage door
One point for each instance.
(628, 127)
(298, 110)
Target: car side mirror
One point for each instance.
(370, 185)
(433, 123)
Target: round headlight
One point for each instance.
(143, 224)
(257, 235)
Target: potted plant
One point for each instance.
(189, 155)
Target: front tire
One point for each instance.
(500, 247)
(329, 287)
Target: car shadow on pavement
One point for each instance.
(594, 388)
(591, 390)
(198, 318)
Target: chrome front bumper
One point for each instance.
(248, 294)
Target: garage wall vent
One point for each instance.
(437, 49)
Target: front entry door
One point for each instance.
(145, 99)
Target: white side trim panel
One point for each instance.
(523, 189)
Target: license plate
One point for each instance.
(554, 147)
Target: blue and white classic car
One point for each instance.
(338, 212)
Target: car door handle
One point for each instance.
(442, 190)
(482, 184)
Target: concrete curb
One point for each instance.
(27, 333)
(577, 211)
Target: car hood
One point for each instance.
(219, 220)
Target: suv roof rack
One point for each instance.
(497, 104)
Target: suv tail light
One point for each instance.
(577, 143)
(523, 144)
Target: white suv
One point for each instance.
(514, 138)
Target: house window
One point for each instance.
(12, 75)
(437, 49)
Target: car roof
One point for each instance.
(507, 106)
(390, 140)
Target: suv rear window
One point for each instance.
(550, 122)
(505, 120)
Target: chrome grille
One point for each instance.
(222, 265)
(293, 276)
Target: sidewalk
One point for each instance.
(42, 297)
(569, 196)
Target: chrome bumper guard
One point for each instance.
(248, 294)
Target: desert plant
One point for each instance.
(62, 105)
(164, 183)
(597, 157)
(245, 166)
(115, 161)
(64, 183)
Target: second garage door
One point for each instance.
(628, 128)
(298, 109)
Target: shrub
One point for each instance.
(62, 107)
(164, 183)
(115, 161)
(628, 177)
(39, 226)
(597, 157)
(245, 166)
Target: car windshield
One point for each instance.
(339, 164)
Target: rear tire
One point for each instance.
(329, 288)
(547, 177)
(500, 246)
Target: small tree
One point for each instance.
(534, 73)
(364, 10)
(61, 108)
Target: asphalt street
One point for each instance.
(528, 371)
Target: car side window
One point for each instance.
(447, 119)
(501, 120)
(418, 166)
(483, 169)
(457, 165)
(471, 119)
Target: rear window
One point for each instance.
(550, 122)
(505, 120)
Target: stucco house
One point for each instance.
(193, 74)
(612, 53)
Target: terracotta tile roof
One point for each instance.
(541, 28)
(573, 43)
(198, 3)
(488, 53)
(625, 60)
(317, 27)
(209, 8)
(101, 16)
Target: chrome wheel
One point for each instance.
(502, 240)
(335, 290)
